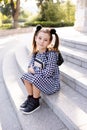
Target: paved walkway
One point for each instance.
(15, 31)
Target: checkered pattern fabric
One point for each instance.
(45, 79)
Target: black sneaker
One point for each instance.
(31, 107)
(24, 105)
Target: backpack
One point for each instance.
(59, 62)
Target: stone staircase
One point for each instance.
(75, 73)
(69, 104)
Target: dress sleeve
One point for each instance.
(31, 61)
(50, 66)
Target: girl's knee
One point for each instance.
(27, 82)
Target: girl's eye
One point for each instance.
(40, 38)
(45, 40)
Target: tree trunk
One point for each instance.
(15, 12)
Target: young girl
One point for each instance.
(43, 71)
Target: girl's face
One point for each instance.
(42, 41)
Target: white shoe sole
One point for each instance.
(21, 108)
(27, 113)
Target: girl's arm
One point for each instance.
(31, 70)
(50, 67)
(31, 61)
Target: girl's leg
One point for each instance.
(34, 102)
(29, 87)
(36, 92)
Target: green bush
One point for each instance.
(6, 21)
(43, 23)
(48, 24)
(6, 26)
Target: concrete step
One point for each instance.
(42, 119)
(8, 118)
(75, 77)
(71, 38)
(5, 40)
(22, 58)
(0, 127)
(70, 107)
(75, 56)
(80, 45)
(63, 102)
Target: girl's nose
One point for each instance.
(42, 41)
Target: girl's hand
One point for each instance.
(31, 70)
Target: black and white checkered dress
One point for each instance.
(46, 79)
